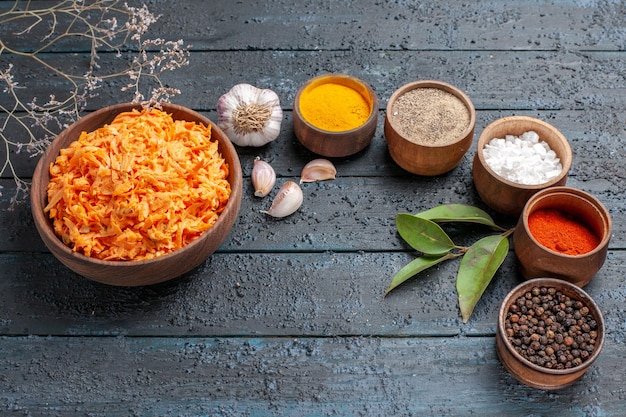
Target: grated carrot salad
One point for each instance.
(140, 187)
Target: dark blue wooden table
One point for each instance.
(288, 317)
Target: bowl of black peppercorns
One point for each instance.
(549, 333)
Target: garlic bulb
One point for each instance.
(263, 177)
(318, 170)
(250, 116)
(287, 201)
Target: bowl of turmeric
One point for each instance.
(562, 233)
(335, 115)
(130, 196)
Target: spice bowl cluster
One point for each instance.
(520, 169)
(549, 330)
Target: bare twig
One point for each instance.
(106, 25)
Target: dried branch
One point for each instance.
(105, 25)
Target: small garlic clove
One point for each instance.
(287, 201)
(318, 170)
(263, 177)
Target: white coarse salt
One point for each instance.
(522, 159)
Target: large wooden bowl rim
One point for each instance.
(38, 203)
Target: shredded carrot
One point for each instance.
(140, 187)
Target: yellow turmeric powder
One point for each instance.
(334, 107)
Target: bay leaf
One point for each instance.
(414, 267)
(477, 268)
(423, 235)
(458, 213)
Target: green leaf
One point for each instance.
(477, 268)
(414, 267)
(423, 235)
(458, 213)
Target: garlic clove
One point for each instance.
(287, 201)
(318, 170)
(263, 177)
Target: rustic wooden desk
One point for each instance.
(288, 317)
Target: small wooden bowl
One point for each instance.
(535, 260)
(143, 272)
(336, 144)
(532, 374)
(423, 159)
(505, 196)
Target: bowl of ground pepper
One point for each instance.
(335, 115)
(549, 333)
(564, 233)
(429, 126)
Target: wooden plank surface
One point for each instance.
(494, 80)
(262, 377)
(288, 317)
(371, 25)
(596, 137)
(312, 294)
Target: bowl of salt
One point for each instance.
(516, 157)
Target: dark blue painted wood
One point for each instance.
(288, 318)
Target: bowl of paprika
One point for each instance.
(335, 115)
(563, 233)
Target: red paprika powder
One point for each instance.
(561, 233)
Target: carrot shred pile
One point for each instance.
(140, 187)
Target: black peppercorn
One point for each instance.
(550, 329)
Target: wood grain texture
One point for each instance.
(313, 294)
(370, 24)
(494, 80)
(286, 376)
(288, 317)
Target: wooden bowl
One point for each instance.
(533, 374)
(330, 143)
(536, 260)
(142, 272)
(497, 192)
(419, 157)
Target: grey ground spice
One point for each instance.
(430, 116)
